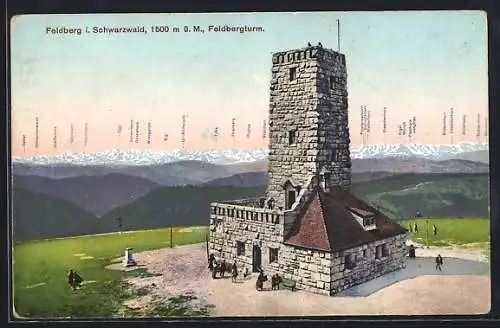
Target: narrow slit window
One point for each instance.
(293, 73)
(292, 137)
(332, 83)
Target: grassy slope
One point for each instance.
(441, 195)
(40, 268)
(36, 215)
(471, 232)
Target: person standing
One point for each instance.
(434, 229)
(415, 227)
(211, 260)
(234, 272)
(71, 279)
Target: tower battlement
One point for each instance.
(307, 53)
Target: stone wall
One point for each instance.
(309, 268)
(230, 223)
(367, 267)
(315, 111)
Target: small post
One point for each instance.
(119, 224)
(171, 243)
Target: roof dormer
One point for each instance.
(365, 218)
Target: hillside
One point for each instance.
(95, 194)
(438, 195)
(399, 196)
(38, 216)
(172, 206)
(482, 156)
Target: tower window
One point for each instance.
(290, 199)
(327, 177)
(292, 137)
(334, 155)
(332, 82)
(293, 73)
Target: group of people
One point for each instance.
(275, 281)
(414, 228)
(74, 279)
(222, 267)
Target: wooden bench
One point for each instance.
(287, 283)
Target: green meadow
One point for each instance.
(464, 232)
(40, 267)
(40, 286)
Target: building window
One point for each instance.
(292, 137)
(290, 199)
(349, 261)
(293, 73)
(273, 255)
(332, 82)
(364, 252)
(240, 248)
(381, 251)
(385, 250)
(368, 221)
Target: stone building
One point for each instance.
(308, 227)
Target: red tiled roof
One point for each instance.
(326, 223)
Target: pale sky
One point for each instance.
(413, 63)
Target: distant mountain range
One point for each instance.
(223, 157)
(169, 174)
(197, 172)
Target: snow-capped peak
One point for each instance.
(222, 156)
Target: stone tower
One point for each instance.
(308, 125)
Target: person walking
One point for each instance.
(439, 262)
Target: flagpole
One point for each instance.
(338, 35)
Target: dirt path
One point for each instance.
(183, 270)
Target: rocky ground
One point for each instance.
(182, 272)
